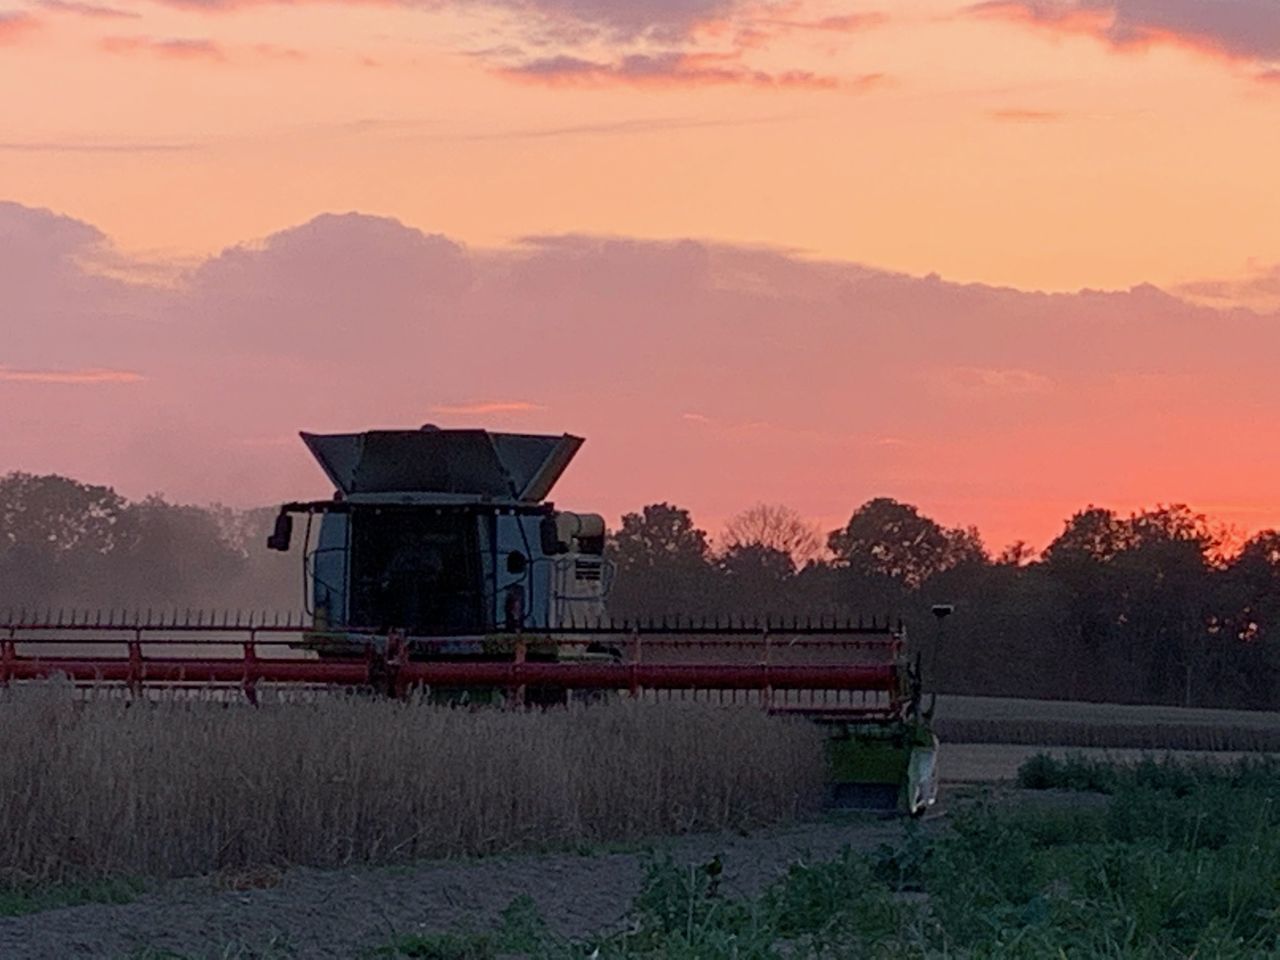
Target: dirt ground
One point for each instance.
(328, 915)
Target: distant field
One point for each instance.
(999, 720)
(993, 762)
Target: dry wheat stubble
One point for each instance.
(173, 788)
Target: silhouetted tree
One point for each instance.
(755, 580)
(663, 563)
(1140, 595)
(57, 537)
(885, 538)
(177, 556)
(775, 528)
(1017, 554)
(1094, 534)
(59, 515)
(69, 544)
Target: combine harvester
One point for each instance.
(439, 568)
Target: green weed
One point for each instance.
(521, 931)
(1181, 862)
(275, 949)
(32, 898)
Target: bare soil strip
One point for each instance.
(335, 914)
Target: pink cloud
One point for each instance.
(350, 322)
(675, 69)
(1016, 115)
(758, 33)
(1000, 381)
(1259, 289)
(487, 407)
(93, 10)
(94, 146)
(271, 51)
(70, 377)
(655, 19)
(573, 21)
(649, 42)
(15, 25)
(1238, 30)
(179, 48)
(838, 23)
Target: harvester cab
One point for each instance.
(444, 533)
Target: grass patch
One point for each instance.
(23, 899)
(521, 931)
(274, 950)
(1182, 861)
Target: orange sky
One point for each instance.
(1044, 145)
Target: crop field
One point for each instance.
(172, 788)
(353, 829)
(1069, 724)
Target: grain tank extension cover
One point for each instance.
(504, 466)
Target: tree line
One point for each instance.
(1149, 607)
(66, 544)
(1154, 606)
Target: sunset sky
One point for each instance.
(998, 259)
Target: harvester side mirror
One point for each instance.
(549, 534)
(282, 534)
